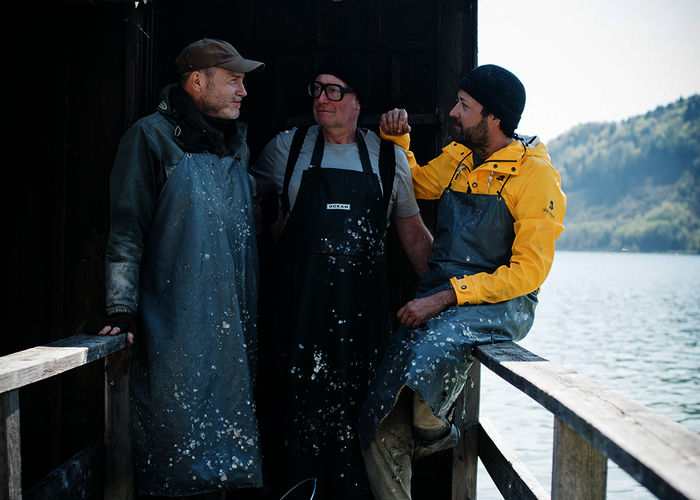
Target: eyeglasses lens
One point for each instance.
(333, 92)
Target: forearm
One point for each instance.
(121, 287)
(416, 240)
(134, 188)
(419, 254)
(122, 259)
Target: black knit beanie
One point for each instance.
(498, 90)
(353, 69)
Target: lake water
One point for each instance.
(629, 321)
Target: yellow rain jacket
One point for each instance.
(531, 188)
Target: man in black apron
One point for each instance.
(500, 211)
(338, 186)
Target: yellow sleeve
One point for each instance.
(429, 180)
(404, 142)
(539, 215)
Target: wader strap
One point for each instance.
(498, 193)
(457, 172)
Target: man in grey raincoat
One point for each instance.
(182, 275)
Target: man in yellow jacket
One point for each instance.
(500, 210)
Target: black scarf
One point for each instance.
(201, 133)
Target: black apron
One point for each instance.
(474, 233)
(336, 318)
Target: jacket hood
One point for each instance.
(534, 147)
(164, 107)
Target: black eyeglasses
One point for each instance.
(334, 92)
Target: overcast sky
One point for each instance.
(592, 60)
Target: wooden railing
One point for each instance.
(592, 423)
(112, 457)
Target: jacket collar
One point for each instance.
(191, 131)
(506, 160)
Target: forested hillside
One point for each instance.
(633, 184)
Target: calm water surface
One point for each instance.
(626, 320)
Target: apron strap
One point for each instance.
(297, 142)
(364, 155)
(317, 155)
(387, 170)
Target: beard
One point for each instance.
(217, 104)
(474, 137)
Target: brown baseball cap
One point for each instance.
(209, 52)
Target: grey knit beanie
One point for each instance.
(498, 90)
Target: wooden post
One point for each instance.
(579, 471)
(10, 454)
(465, 455)
(119, 471)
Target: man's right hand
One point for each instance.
(395, 122)
(120, 323)
(415, 312)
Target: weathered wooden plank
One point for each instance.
(509, 474)
(38, 363)
(465, 458)
(10, 453)
(660, 454)
(119, 479)
(579, 471)
(78, 478)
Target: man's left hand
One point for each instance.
(120, 323)
(415, 312)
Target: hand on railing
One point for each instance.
(120, 323)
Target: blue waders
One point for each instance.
(474, 234)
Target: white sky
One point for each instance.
(592, 60)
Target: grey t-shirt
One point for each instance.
(269, 168)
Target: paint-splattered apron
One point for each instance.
(474, 233)
(337, 310)
(195, 428)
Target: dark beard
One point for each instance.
(474, 137)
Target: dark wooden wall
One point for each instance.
(417, 50)
(70, 91)
(78, 73)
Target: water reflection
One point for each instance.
(628, 321)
